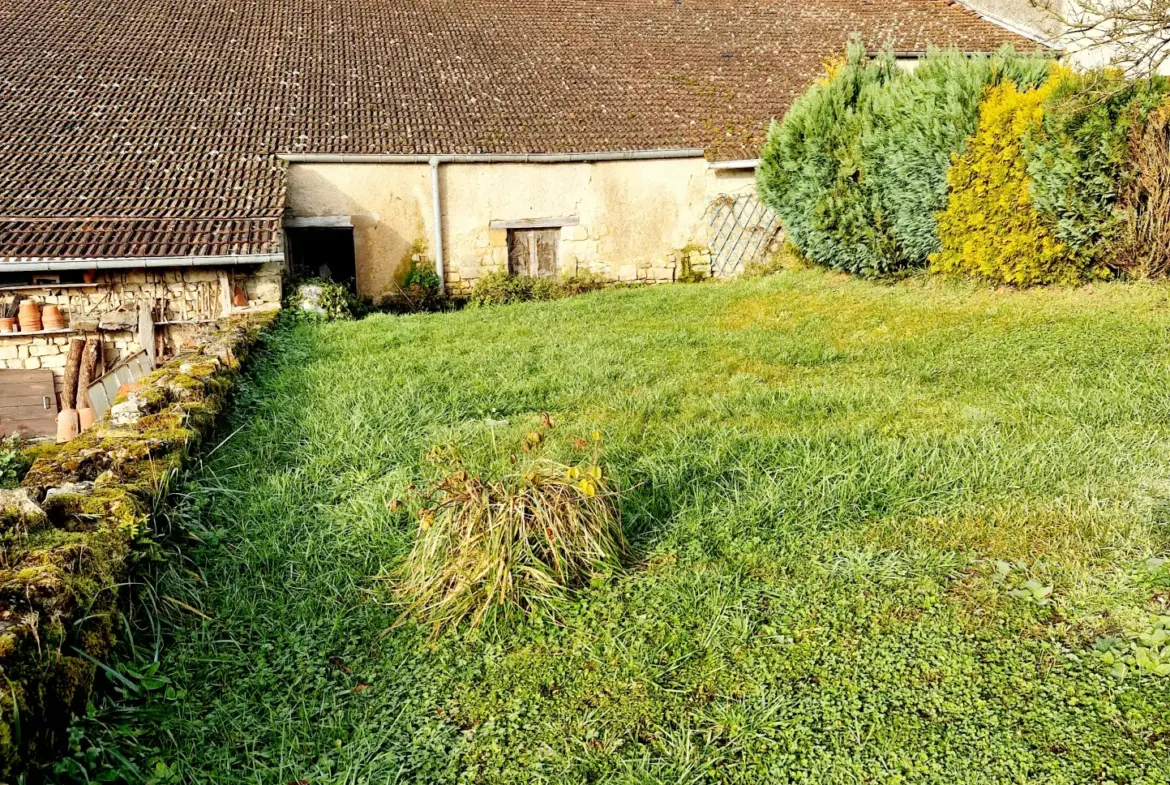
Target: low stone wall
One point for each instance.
(183, 299)
(67, 533)
(579, 255)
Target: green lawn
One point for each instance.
(837, 492)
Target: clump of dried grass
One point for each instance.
(1144, 247)
(514, 544)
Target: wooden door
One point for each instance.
(532, 253)
(28, 403)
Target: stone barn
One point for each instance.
(172, 160)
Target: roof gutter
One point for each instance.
(134, 262)
(491, 158)
(743, 163)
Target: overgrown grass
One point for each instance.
(848, 505)
(518, 543)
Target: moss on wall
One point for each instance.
(66, 540)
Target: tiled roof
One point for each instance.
(159, 121)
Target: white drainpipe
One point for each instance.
(434, 162)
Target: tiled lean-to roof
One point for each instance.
(134, 128)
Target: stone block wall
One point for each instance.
(580, 253)
(68, 534)
(182, 298)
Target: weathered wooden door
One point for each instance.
(532, 253)
(28, 403)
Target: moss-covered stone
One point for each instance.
(19, 513)
(60, 572)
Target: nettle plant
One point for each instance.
(513, 544)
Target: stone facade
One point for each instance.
(579, 254)
(182, 299)
(636, 220)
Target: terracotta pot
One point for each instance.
(51, 318)
(239, 299)
(30, 316)
(8, 324)
(67, 425)
(85, 418)
(89, 276)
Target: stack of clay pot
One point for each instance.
(30, 317)
(52, 319)
(68, 425)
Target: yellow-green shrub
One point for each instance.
(990, 228)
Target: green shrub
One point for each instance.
(502, 288)
(1079, 159)
(857, 169)
(422, 287)
(516, 543)
(326, 299)
(990, 228)
(810, 168)
(916, 124)
(13, 462)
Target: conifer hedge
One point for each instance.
(1079, 158)
(990, 228)
(918, 123)
(810, 168)
(857, 169)
(1004, 167)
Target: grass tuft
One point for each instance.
(515, 544)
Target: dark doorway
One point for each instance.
(325, 253)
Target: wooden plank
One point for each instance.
(30, 428)
(225, 293)
(35, 398)
(63, 331)
(519, 252)
(18, 389)
(24, 377)
(33, 389)
(8, 423)
(145, 332)
(535, 223)
(40, 287)
(547, 243)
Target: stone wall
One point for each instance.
(67, 536)
(635, 220)
(182, 300)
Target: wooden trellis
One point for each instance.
(740, 231)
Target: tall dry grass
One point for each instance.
(513, 544)
(1144, 247)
